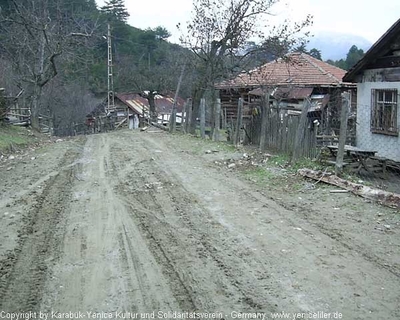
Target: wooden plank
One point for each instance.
(264, 121)
(184, 118)
(299, 140)
(386, 198)
(217, 120)
(120, 123)
(284, 132)
(189, 110)
(18, 115)
(238, 122)
(391, 75)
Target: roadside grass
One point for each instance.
(199, 146)
(280, 174)
(275, 172)
(273, 179)
(307, 163)
(259, 175)
(12, 138)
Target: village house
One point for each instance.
(130, 104)
(377, 76)
(132, 108)
(290, 80)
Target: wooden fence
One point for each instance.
(281, 132)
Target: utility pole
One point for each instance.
(110, 97)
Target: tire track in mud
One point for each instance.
(291, 283)
(155, 196)
(178, 287)
(338, 236)
(24, 270)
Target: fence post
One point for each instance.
(343, 132)
(203, 118)
(217, 119)
(236, 139)
(299, 141)
(225, 122)
(264, 121)
(188, 114)
(172, 119)
(183, 118)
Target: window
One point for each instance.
(384, 111)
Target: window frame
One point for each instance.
(381, 121)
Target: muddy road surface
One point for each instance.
(138, 222)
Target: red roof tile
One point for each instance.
(297, 69)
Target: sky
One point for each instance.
(366, 18)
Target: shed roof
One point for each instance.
(140, 105)
(295, 69)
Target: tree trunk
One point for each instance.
(197, 96)
(37, 91)
(152, 105)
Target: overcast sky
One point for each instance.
(366, 18)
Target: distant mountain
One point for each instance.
(335, 45)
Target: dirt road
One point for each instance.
(141, 222)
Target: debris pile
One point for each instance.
(246, 161)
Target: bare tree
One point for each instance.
(219, 29)
(156, 73)
(67, 111)
(38, 33)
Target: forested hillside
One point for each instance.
(56, 52)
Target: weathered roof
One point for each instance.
(295, 69)
(382, 46)
(140, 105)
(287, 93)
(135, 102)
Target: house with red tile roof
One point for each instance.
(290, 80)
(295, 69)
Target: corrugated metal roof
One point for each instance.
(296, 69)
(140, 105)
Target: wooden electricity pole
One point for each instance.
(172, 120)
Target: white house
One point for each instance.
(378, 87)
